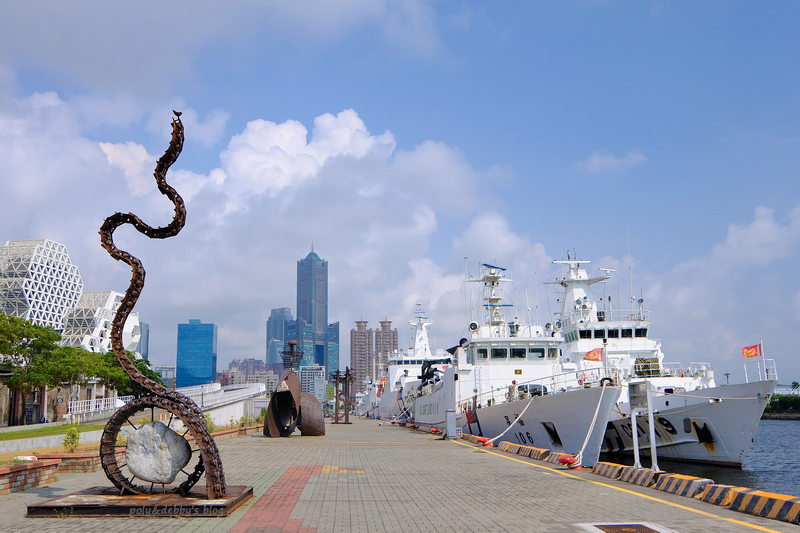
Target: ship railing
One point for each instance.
(554, 384)
(760, 370)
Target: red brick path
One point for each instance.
(272, 511)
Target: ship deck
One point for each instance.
(372, 477)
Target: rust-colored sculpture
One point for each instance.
(178, 405)
(289, 408)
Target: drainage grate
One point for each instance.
(625, 528)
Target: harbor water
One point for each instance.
(772, 465)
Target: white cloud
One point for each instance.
(136, 165)
(159, 43)
(605, 163)
(762, 241)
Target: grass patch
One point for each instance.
(46, 432)
(14, 462)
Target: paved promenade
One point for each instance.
(367, 477)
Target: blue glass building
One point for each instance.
(318, 340)
(196, 362)
(277, 324)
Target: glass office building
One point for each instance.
(196, 362)
(318, 340)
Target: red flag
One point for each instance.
(594, 355)
(751, 351)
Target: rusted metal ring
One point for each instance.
(108, 445)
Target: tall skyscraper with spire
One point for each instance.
(318, 340)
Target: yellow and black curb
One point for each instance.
(755, 502)
(689, 486)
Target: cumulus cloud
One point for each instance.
(136, 165)
(714, 304)
(605, 163)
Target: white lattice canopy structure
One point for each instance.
(88, 324)
(38, 282)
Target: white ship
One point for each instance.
(367, 403)
(395, 396)
(509, 382)
(694, 418)
(568, 386)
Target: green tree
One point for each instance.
(795, 385)
(67, 365)
(22, 346)
(111, 373)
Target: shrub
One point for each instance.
(72, 439)
(210, 423)
(784, 403)
(262, 416)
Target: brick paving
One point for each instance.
(371, 477)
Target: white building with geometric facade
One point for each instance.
(88, 324)
(38, 282)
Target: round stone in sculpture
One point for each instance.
(156, 454)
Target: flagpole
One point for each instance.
(763, 359)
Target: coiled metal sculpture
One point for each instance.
(159, 397)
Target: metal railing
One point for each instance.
(218, 397)
(97, 404)
(205, 396)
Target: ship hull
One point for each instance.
(557, 422)
(713, 425)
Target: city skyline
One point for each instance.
(655, 139)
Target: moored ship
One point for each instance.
(572, 385)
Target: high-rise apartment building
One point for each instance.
(38, 282)
(313, 381)
(370, 351)
(196, 362)
(361, 355)
(386, 343)
(318, 340)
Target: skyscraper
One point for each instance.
(369, 352)
(196, 362)
(38, 282)
(361, 354)
(277, 324)
(318, 340)
(386, 343)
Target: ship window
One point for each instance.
(536, 353)
(599, 334)
(499, 353)
(641, 332)
(482, 353)
(517, 353)
(627, 333)
(586, 334)
(552, 353)
(613, 334)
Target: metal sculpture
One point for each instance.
(289, 408)
(152, 395)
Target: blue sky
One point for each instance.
(402, 136)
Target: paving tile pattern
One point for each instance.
(372, 477)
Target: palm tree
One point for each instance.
(795, 385)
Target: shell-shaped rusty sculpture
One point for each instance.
(289, 408)
(178, 405)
